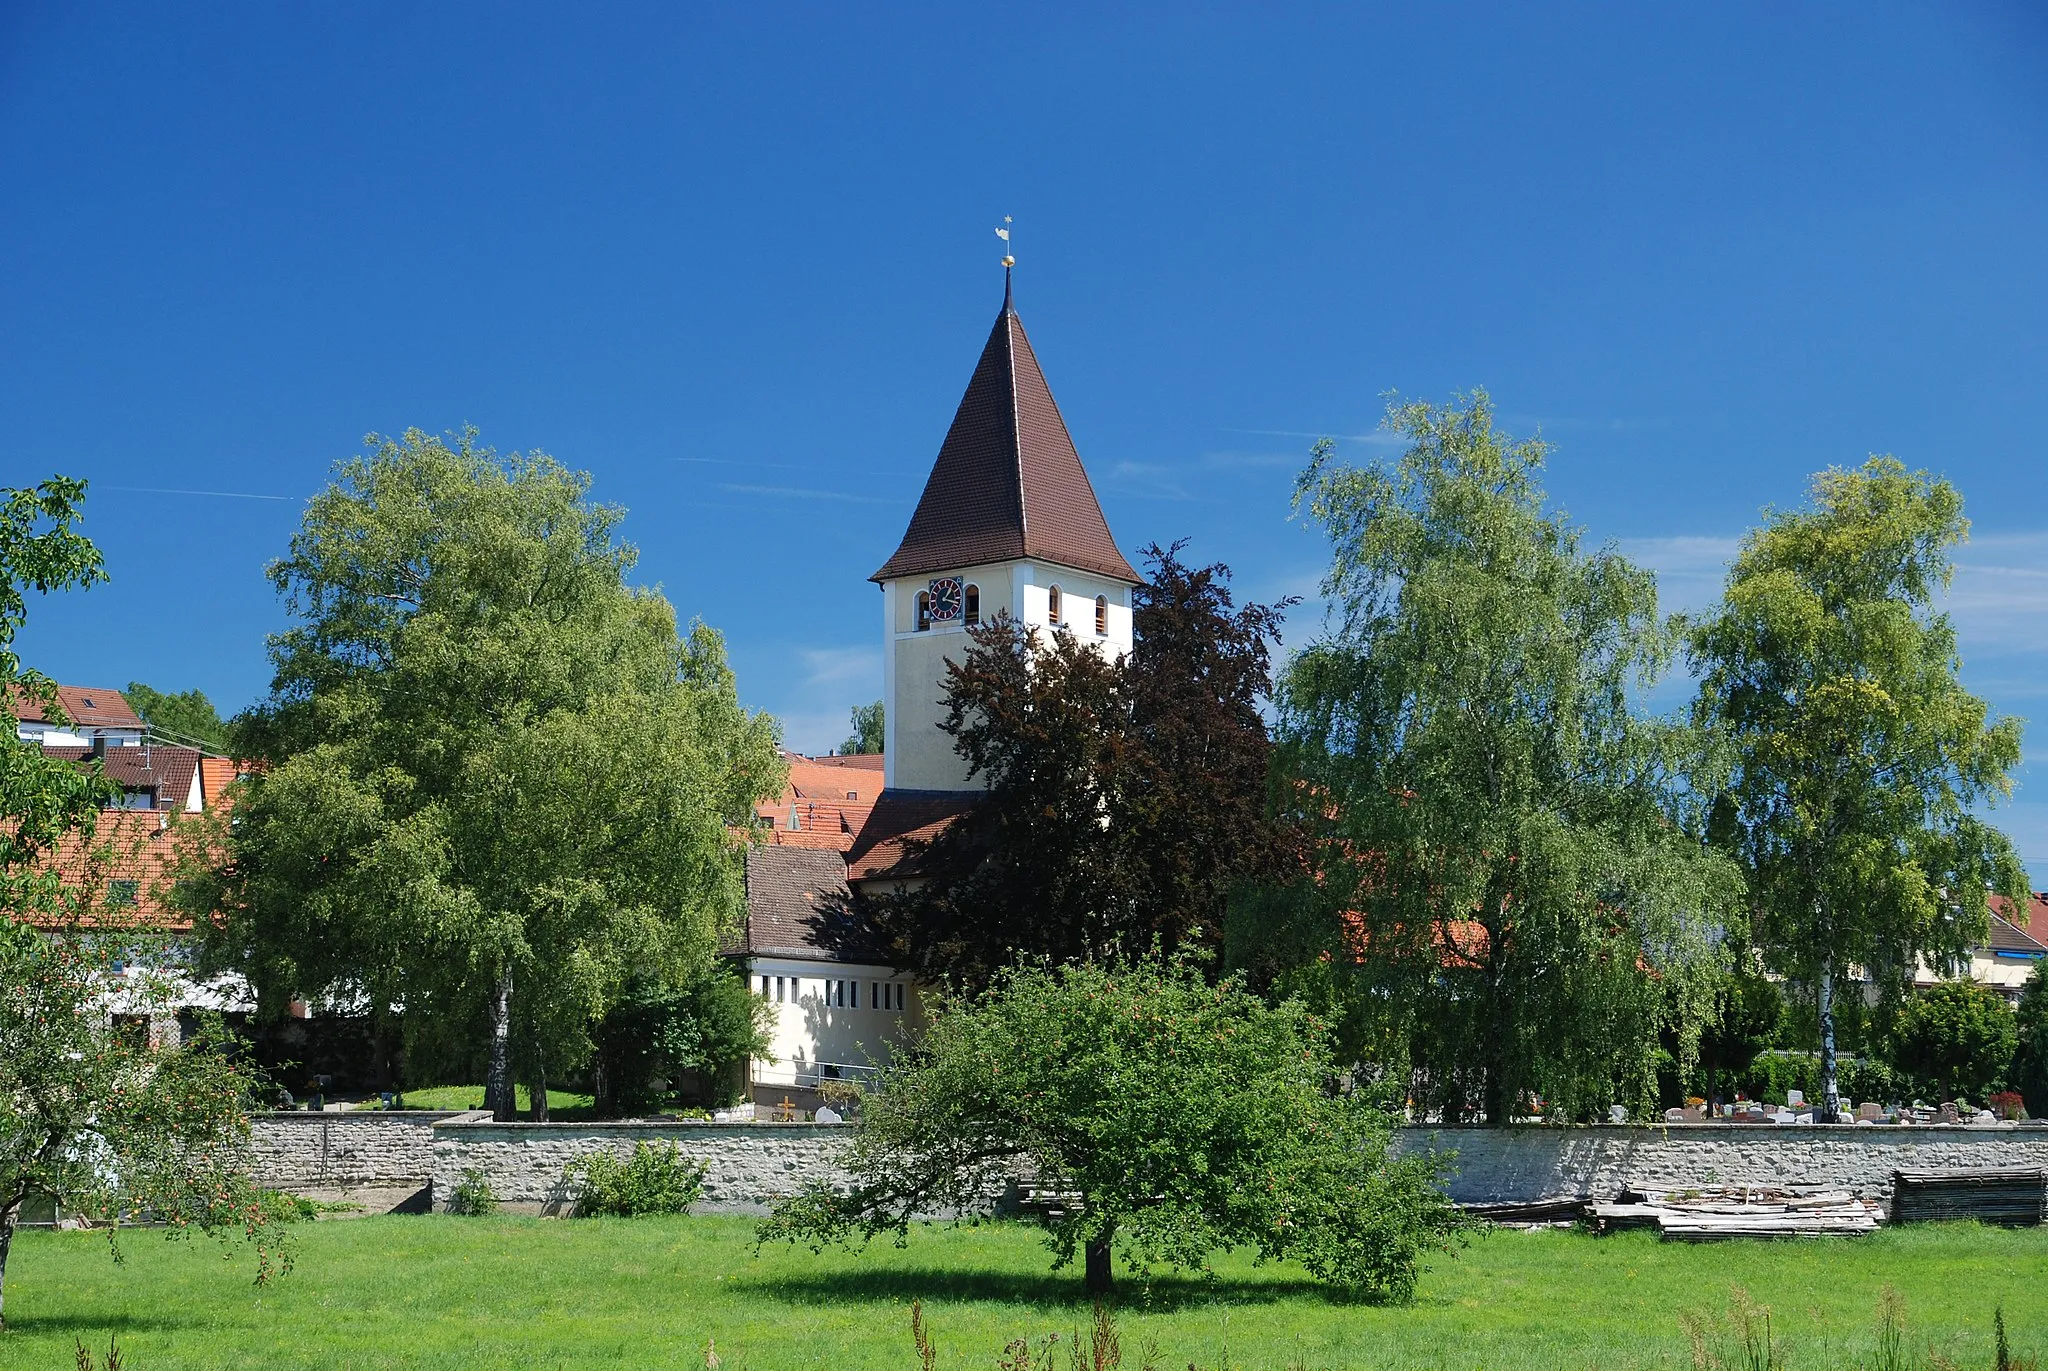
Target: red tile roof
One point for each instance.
(216, 774)
(129, 845)
(789, 891)
(1008, 482)
(88, 706)
(2032, 921)
(900, 817)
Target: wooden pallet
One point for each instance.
(2015, 1198)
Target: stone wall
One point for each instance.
(379, 1159)
(749, 1164)
(1524, 1165)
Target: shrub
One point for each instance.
(707, 1026)
(1955, 1039)
(656, 1179)
(1772, 1074)
(473, 1195)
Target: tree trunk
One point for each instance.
(1830, 1094)
(1100, 1279)
(498, 1096)
(7, 1218)
(537, 1109)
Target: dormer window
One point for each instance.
(924, 610)
(1102, 616)
(971, 605)
(1052, 606)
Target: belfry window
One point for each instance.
(924, 610)
(1102, 616)
(970, 604)
(1052, 606)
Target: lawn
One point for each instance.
(560, 1102)
(442, 1292)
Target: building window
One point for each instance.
(970, 602)
(1102, 616)
(123, 894)
(924, 610)
(899, 994)
(1052, 606)
(764, 987)
(778, 990)
(853, 991)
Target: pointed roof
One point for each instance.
(1008, 483)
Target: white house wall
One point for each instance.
(812, 1031)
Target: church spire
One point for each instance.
(1008, 484)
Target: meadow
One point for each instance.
(443, 1292)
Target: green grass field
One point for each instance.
(435, 1291)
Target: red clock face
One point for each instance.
(945, 593)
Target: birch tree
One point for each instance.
(1511, 872)
(497, 781)
(1861, 758)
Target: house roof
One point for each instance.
(2007, 938)
(88, 706)
(900, 817)
(165, 769)
(216, 774)
(789, 890)
(1008, 483)
(2033, 920)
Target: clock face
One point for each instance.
(945, 593)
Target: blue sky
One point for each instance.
(737, 262)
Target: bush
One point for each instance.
(656, 1179)
(473, 1195)
(1956, 1040)
(1773, 1074)
(706, 1026)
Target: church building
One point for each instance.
(1008, 522)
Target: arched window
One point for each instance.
(1102, 616)
(970, 604)
(924, 610)
(1052, 606)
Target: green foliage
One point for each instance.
(188, 718)
(41, 798)
(2030, 1055)
(497, 780)
(474, 1195)
(656, 1179)
(1955, 1040)
(1748, 1011)
(1861, 759)
(1182, 1117)
(1509, 880)
(868, 733)
(107, 1123)
(707, 1024)
(1774, 1074)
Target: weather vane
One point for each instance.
(1004, 234)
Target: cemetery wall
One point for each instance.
(750, 1164)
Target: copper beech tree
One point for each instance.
(1126, 798)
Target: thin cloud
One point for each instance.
(212, 494)
(831, 665)
(1377, 438)
(1146, 478)
(742, 462)
(1229, 461)
(803, 493)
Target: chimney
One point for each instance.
(99, 746)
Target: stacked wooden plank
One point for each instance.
(1738, 1212)
(2015, 1198)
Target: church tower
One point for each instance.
(1008, 522)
